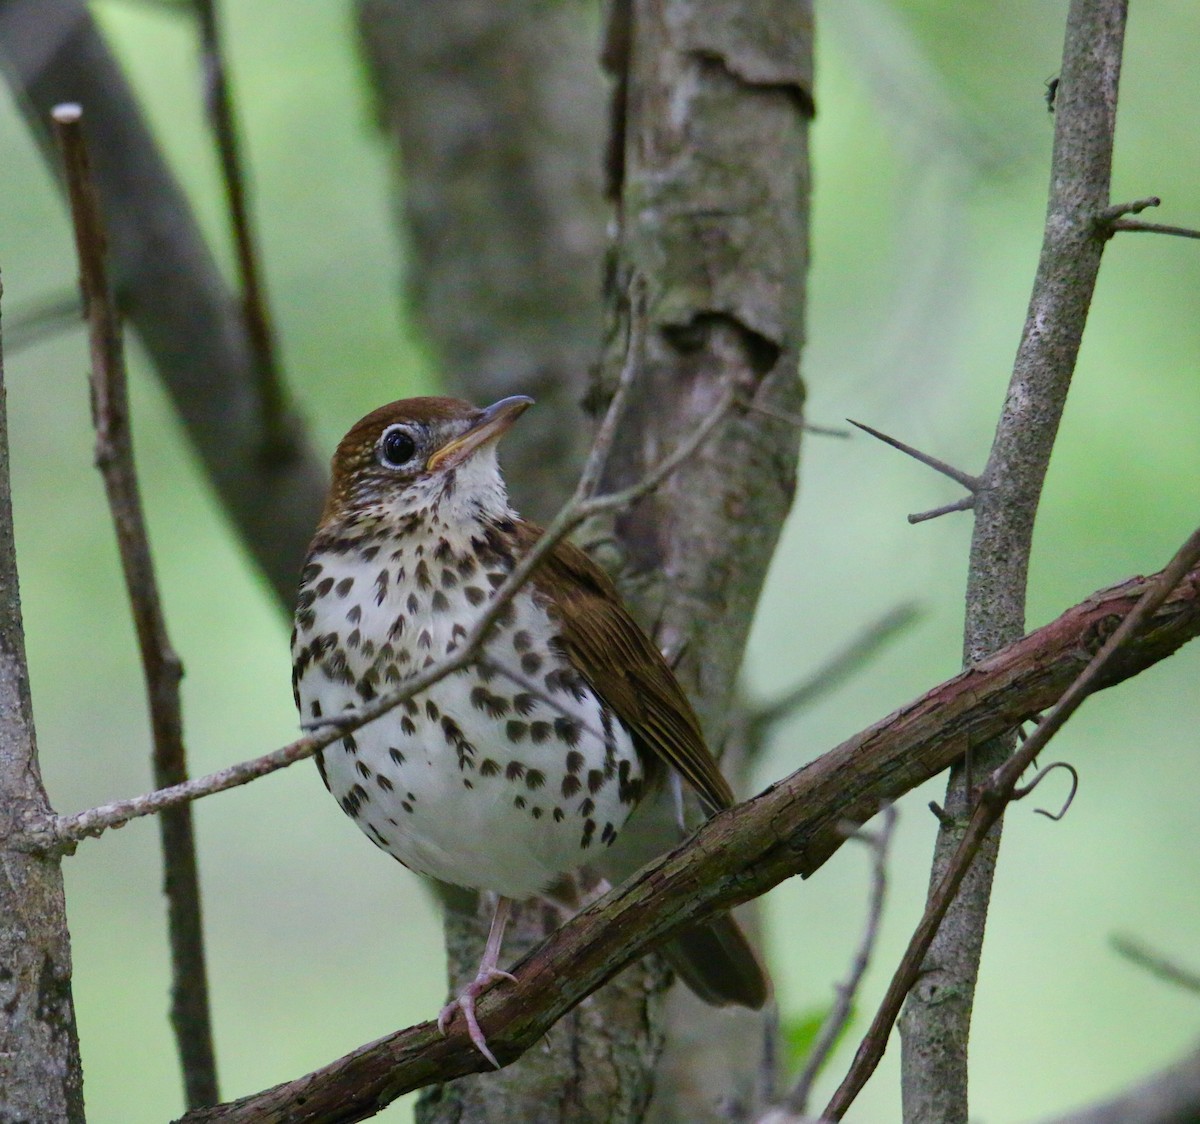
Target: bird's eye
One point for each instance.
(396, 447)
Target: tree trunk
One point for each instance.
(710, 169)
(497, 112)
(40, 1074)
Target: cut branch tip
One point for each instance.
(963, 503)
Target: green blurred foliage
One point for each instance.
(799, 1034)
(930, 166)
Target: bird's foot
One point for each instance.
(465, 1002)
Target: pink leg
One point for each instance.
(488, 972)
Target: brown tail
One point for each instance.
(716, 961)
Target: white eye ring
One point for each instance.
(397, 446)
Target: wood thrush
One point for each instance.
(560, 748)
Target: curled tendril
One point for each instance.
(1021, 793)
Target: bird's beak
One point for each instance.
(491, 425)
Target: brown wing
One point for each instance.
(625, 667)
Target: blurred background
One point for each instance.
(930, 166)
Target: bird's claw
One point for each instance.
(465, 1002)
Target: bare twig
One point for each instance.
(796, 420)
(167, 281)
(937, 1020)
(994, 795)
(835, 671)
(1152, 228)
(62, 831)
(791, 828)
(971, 483)
(1155, 962)
(879, 842)
(218, 104)
(190, 1015)
(42, 319)
(635, 347)
(963, 503)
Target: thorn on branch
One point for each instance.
(1051, 93)
(973, 484)
(1119, 210)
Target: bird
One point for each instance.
(560, 748)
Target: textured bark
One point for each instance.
(40, 1075)
(168, 286)
(496, 113)
(709, 167)
(936, 1023)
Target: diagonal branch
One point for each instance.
(833, 674)
(791, 828)
(190, 1014)
(167, 281)
(838, 1018)
(971, 483)
(994, 796)
(62, 832)
(1156, 963)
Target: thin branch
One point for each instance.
(791, 828)
(937, 1020)
(963, 503)
(218, 104)
(794, 419)
(167, 282)
(635, 350)
(63, 831)
(1156, 963)
(42, 319)
(1152, 228)
(835, 671)
(190, 1015)
(879, 843)
(971, 483)
(995, 794)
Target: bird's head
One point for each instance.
(423, 453)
